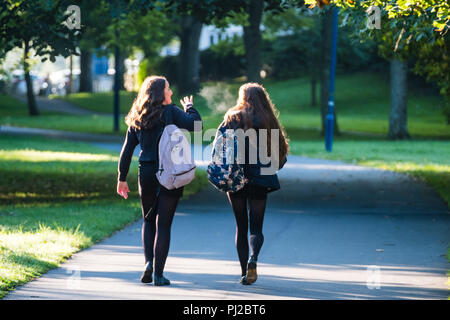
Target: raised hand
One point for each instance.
(187, 102)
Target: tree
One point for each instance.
(220, 13)
(303, 25)
(134, 24)
(189, 16)
(252, 40)
(398, 58)
(414, 30)
(36, 25)
(85, 70)
(189, 56)
(252, 32)
(95, 19)
(319, 25)
(433, 62)
(398, 128)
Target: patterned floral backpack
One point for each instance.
(224, 172)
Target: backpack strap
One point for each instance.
(165, 118)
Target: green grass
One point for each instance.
(90, 124)
(37, 238)
(11, 107)
(101, 102)
(15, 113)
(362, 105)
(56, 198)
(427, 160)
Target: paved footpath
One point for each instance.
(333, 231)
(56, 105)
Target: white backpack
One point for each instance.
(176, 164)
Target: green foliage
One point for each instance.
(95, 16)
(224, 60)
(292, 45)
(148, 32)
(207, 11)
(433, 15)
(166, 66)
(38, 23)
(433, 62)
(415, 31)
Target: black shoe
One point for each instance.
(147, 274)
(161, 281)
(251, 271)
(244, 281)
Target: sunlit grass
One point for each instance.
(45, 156)
(56, 198)
(97, 124)
(26, 255)
(38, 237)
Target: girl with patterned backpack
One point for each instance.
(246, 181)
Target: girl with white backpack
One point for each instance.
(151, 112)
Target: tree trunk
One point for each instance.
(85, 71)
(121, 72)
(327, 28)
(313, 89)
(314, 60)
(398, 128)
(189, 56)
(69, 87)
(117, 81)
(252, 41)
(32, 107)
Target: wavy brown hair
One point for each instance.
(148, 105)
(254, 104)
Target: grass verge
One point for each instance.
(58, 198)
(427, 160)
(362, 105)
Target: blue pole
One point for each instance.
(329, 123)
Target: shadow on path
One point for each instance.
(333, 231)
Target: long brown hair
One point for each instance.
(148, 104)
(254, 104)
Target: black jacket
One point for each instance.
(253, 171)
(148, 139)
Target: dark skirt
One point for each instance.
(252, 192)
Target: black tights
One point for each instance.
(156, 232)
(158, 211)
(257, 209)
